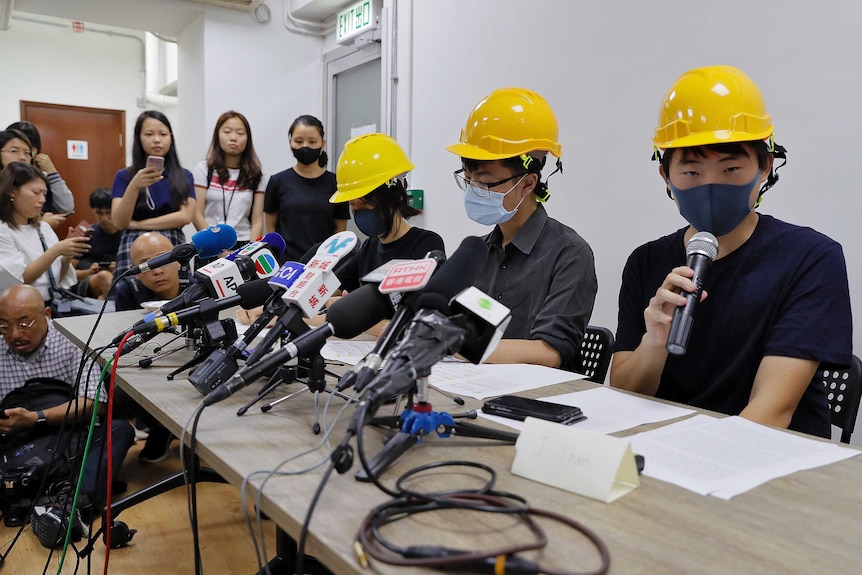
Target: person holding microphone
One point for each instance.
(775, 301)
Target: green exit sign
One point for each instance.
(357, 19)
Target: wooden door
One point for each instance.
(104, 132)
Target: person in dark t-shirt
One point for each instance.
(296, 200)
(775, 301)
(95, 269)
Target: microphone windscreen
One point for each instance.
(456, 275)
(702, 243)
(214, 240)
(254, 293)
(357, 311)
(275, 242)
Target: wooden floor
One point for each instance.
(163, 543)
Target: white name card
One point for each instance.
(597, 466)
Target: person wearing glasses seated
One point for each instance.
(31, 347)
(538, 267)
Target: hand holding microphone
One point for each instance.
(701, 250)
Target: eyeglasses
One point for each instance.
(481, 189)
(20, 326)
(18, 151)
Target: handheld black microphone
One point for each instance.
(700, 250)
(250, 294)
(205, 243)
(347, 318)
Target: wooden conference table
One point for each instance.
(808, 522)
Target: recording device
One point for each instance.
(206, 243)
(420, 273)
(347, 318)
(309, 291)
(158, 162)
(251, 294)
(520, 408)
(105, 265)
(700, 251)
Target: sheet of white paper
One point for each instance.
(241, 328)
(347, 352)
(609, 411)
(727, 456)
(491, 380)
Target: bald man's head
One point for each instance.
(23, 318)
(163, 281)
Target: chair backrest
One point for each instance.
(844, 390)
(597, 347)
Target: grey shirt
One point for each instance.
(547, 277)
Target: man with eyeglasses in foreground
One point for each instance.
(32, 347)
(539, 268)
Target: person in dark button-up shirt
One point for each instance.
(539, 268)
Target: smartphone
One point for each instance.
(156, 162)
(514, 407)
(105, 265)
(85, 228)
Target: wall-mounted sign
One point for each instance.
(358, 19)
(77, 150)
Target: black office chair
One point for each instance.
(844, 388)
(597, 347)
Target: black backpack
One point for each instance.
(28, 456)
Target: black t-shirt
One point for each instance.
(373, 254)
(130, 292)
(305, 216)
(103, 248)
(784, 292)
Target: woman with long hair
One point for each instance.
(29, 248)
(146, 198)
(229, 184)
(296, 204)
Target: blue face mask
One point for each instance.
(488, 209)
(715, 208)
(370, 222)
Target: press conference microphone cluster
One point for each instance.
(405, 279)
(206, 243)
(306, 290)
(249, 295)
(701, 250)
(346, 318)
(222, 277)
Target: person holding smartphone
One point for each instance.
(30, 251)
(154, 193)
(95, 269)
(59, 202)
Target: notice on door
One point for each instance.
(77, 150)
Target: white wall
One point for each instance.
(45, 63)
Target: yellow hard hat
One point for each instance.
(712, 105)
(506, 123)
(366, 163)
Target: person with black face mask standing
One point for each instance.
(296, 203)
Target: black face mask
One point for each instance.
(306, 155)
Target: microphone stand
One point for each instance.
(420, 420)
(206, 334)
